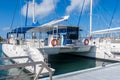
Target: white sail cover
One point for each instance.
(48, 26)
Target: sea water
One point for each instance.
(65, 63)
(62, 63)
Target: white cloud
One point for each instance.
(77, 4)
(6, 28)
(41, 10)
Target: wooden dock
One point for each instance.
(108, 72)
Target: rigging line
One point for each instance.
(81, 13)
(102, 16)
(64, 6)
(116, 5)
(107, 14)
(55, 10)
(105, 10)
(14, 15)
(26, 13)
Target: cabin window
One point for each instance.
(72, 32)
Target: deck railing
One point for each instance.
(29, 62)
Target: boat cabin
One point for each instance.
(65, 34)
(58, 35)
(55, 35)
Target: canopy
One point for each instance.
(48, 28)
(20, 30)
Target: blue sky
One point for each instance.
(47, 10)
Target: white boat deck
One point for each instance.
(109, 72)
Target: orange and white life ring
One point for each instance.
(54, 42)
(86, 42)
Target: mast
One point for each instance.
(90, 18)
(33, 11)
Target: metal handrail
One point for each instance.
(23, 65)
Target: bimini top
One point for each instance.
(48, 28)
(20, 30)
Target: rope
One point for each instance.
(81, 12)
(103, 15)
(26, 13)
(116, 5)
(14, 15)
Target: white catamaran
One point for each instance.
(59, 39)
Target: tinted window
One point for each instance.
(72, 32)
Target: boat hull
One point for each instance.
(97, 52)
(49, 50)
(75, 49)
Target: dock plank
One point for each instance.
(109, 72)
(102, 73)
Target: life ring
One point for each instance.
(54, 42)
(86, 42)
